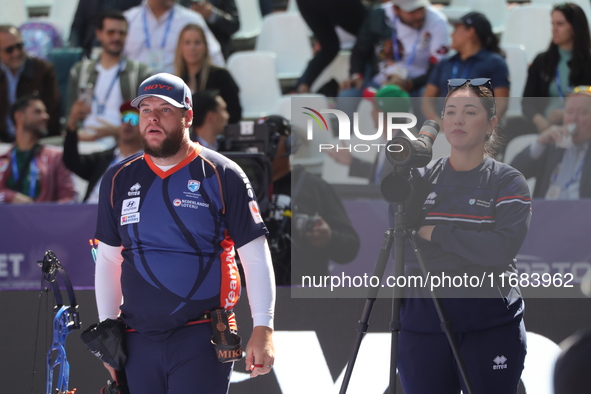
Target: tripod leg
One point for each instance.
(372, 295)
(446, 325)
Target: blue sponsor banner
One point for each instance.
(557, 242)
(27, 231)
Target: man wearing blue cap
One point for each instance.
(169, 222)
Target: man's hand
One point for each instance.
(20, 198)
(260, 353)
(321, 234)
(553, 135)
(203, 7)
(79, 112)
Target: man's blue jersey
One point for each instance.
(178, 230)
(481, 218)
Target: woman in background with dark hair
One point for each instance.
(566, 63)
(193, 64)
(478, 214)
(478, 55)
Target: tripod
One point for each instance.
(405, 191)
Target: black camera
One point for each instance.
(401, 151)
(303, 223)
(250, 137)
(405, 184)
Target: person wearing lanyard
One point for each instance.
(98, 88)
(91, 167)
(563, 65)
(559, 159)
(157, 25)
(478, 55)
(32, 172)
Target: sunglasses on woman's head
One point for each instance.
(132, 118)
(476, 82)
(457, 82)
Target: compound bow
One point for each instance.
(65, 321)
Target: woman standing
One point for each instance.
(478, 217)
(564, 65)
(193, 64)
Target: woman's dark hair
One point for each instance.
(493, 141)
(581, 58)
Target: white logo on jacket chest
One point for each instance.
(134, 190)
(130, 205)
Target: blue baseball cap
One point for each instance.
(168, 87)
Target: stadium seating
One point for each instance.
(286, 34)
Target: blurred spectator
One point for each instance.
(91, 167)
(565, 64)
(85, 21)
(221, 17)
(29, 171)
(478, 56)
(320, 231)
(157, 25)
(571, 372)
(210, 117)
(97, 88)
(266, 6)
(390, 98)
(323, 17)
(410, 24)
(193, 64)
(22, 75)
(560, 159)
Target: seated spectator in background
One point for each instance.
(97, 88)
(193, 64)
(322, 18)
(560, 159)
(327, 235)
(21, 75)
(221, 17)
(210, 117)
(414, 24)
(553, 73)
(478, 56)
(29, 171)
(390, 98)
(91, 167)
(571, 372)
(157, 25)
(84, 24)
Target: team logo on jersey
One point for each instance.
(193, 185)
(255, 212)
(129, 219)
(130, 205)
(134, 190)
(480, 203)
(177, 202)
(431, 198)
(500, 363)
